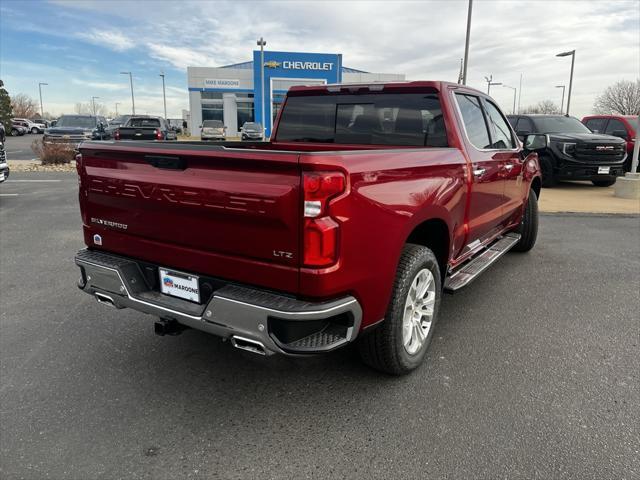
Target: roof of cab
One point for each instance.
(437, 85)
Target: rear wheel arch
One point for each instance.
(433, 234)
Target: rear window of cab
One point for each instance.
(407, 119)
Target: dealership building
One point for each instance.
(233, 93)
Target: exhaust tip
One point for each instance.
(249, 345)
(105, 300)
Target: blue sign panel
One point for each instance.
(284, 69)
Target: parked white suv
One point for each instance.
(29, 125)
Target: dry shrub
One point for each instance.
(53, 153)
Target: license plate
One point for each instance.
(604, 170)
(179, 284)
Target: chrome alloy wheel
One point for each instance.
(418, 311)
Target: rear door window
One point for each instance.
(474, 121)
(411, 119)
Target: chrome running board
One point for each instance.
(472, 269)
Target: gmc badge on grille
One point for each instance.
(604, 147)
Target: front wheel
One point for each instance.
(400, 343)
(548, 178)
(14, 132)
(34, 130)
(603, 183)
(528, 228)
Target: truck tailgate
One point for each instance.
(221, 212)
(138, 133)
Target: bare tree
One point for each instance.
(87, 108)
(622, 98)
(23, 106)
(101, 109)
(545, 106)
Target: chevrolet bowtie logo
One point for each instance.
(272, 64)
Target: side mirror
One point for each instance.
(535, 141)
(619, 133)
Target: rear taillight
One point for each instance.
(116, 135)
(158, 134)
(320, 236)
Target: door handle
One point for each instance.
(478, 172)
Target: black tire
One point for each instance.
(383, 349)
(14, 132)
(34, 130)
(604, 183)
(548, 179)
(528, 228)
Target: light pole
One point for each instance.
(466, 44)
(519, 93)
(261, 43)
(93, 102)
(561, 101)
(573, 59)
(514, 97)
(117, 103)
(490, 82)
(133, 103)
(41, 107)
(164, 96)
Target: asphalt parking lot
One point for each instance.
(19, 148)
(534, 372)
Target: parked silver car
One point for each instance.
(213, 130)
(252, 131)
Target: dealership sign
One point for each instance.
(293, 65)
(221, 83)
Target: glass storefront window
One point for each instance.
(211, 95)
(245, 113)
(212, 112)
(277, 98)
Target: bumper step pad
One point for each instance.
(327, 339)
(473, 268)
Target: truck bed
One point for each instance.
(234, 210)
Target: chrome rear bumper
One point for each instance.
(279, 323)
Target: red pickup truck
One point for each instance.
(367, 204)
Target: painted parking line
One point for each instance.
(32, 181)
(9, 194)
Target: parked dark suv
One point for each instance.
(574, 152)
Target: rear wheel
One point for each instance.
(400, 343)
(34, 130)
(528, 228)
(603, 183)
(14, 132)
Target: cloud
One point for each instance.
(179, 57)
(113, 39)
(423, 39)
(98, 85)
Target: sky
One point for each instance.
(79, 47)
